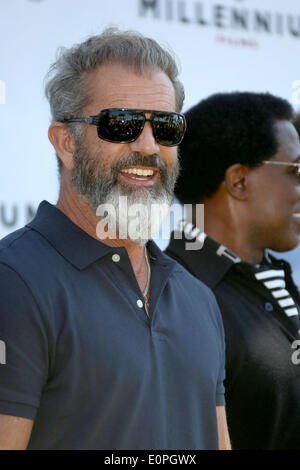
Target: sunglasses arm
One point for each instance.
(87, 120)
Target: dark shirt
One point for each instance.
(84, 360)
(262, 382)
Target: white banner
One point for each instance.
(223, 45)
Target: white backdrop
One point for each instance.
(223, 45)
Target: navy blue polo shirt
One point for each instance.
(85, 362)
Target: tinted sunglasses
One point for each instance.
(123, 126)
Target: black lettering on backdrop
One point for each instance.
(239, 19)
(291, 26)
(13, 216)
(9, 218)
(29, 213)
(262, 21)
(218, 15)
(279, 23)
(169, 10)
(200, 15)
(145, 5)
(182, 12)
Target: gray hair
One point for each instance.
(66, 88)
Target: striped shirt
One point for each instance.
(273, 279)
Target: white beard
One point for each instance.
(136, 217)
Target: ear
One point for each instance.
(63, 142)
(237, 181)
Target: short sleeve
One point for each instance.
(220, 395)
(220, 392)
(23, 336)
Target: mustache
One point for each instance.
(139, 159)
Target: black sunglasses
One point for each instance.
(123, 126)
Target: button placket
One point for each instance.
(138, 302)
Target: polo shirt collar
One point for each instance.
(74, 244)
(209, 262)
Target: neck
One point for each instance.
(231, 230)
(82, 214)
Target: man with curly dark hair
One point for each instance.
(240, 158)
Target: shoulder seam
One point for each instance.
(28, 288)
(26, 229)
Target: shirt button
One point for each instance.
(140, 303)
(116, 258)
(269, 307)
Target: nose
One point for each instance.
(146, 142)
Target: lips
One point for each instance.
(139, 175)
(296, 219)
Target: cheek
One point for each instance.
(282, 199)
(292, 199)
(170, 156)
(107, 154)
(273, 212)
(284, 207)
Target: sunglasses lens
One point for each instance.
(125, 125)
(120, 126)
(168, 128)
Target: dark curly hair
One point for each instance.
(297, 122)
(224, 129)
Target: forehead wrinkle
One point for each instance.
(141, 89)
(110, 88)
(131, 94)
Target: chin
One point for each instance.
(285, 243)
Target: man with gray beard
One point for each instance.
(149, 205)
(110, 343)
